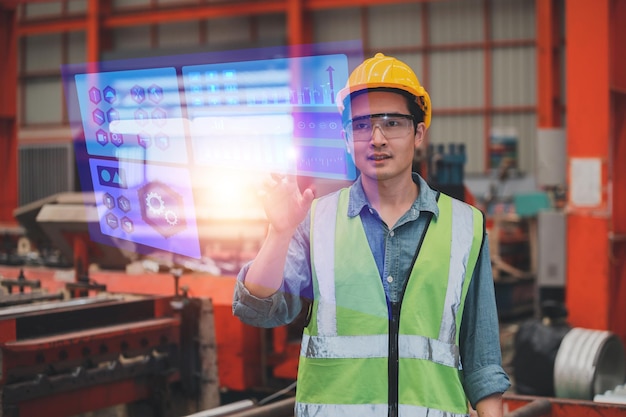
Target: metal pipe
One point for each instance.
(225, 410)
(536, 408)
(282, 408)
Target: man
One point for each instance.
(403, 319)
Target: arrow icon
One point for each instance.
(330, 70)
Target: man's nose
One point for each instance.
(378, 136)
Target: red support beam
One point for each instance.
(617, 33)
(8, 115)
(295, 22)
(548, 64)
(596, 137)
(93, 31)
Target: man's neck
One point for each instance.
(391, 199)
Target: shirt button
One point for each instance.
(390, 279)
(391, 233)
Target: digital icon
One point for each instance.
(111, 177)
(158, 117)
(155, 93)
(102, 137)
(112, 221)
(138, 94)
(109, 201)
(113, 114)
(141, 116)
(94, 95)
(161, 208)
(162, 141)
(144, 140)
(127, 225)
(123, 203)
(98, 117)
(117, 139)
(109, 94)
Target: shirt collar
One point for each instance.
(425, 201)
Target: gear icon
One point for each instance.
(155, 203)
(171, 218)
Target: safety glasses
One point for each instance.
(392, 126)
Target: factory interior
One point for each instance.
(527, 97)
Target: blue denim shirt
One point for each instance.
(393, 250)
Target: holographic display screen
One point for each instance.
(276, 114)
(151, 134)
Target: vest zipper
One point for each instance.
(393, 366)
(394, 359)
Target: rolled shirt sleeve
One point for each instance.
(283, 306)
(480, 336)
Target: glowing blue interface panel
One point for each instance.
(149, 137)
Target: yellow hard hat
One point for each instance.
(385, 71)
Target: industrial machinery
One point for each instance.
(67, 357)
(68, 344)
(80, 339)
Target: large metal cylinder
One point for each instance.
(587, 363)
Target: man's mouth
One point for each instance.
(379, 157)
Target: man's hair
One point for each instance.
(411, 101)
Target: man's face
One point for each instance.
(379, 157)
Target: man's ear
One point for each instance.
(349, 144)
(420, 134)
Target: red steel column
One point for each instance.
(596, 136)
(295, 23)
(8, 114)
(617, 238)
(548, 64)
(93, 31)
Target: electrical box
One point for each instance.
(551, 157)
(551, 242)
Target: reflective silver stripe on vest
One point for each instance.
(324, 224)
(367, 410)
(376, 346)
(421, 347)
(345, 347)
(462, 239)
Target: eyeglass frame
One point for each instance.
(350, 134)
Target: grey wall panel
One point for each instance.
(123, 4)
(457, 79)
(128, 38)
(234, 30)
(177, 3)
(336, 25)
(45, 101)
(513, 19)
(514, 76)
(77, 6)
(468, 130)
(272, 28)
(395, 25)
(458, 21)
(179, 34)
(43, 9)
(77, 48)
(526, 126)
(43, 53)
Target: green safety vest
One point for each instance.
(355, 360)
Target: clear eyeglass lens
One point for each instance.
(392, 127)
